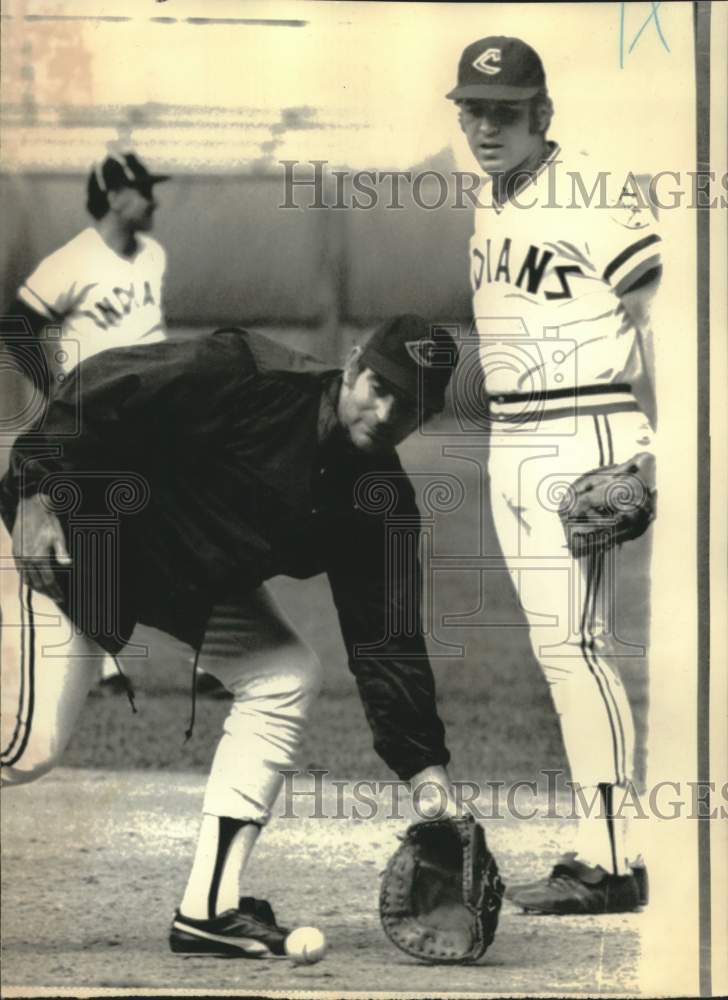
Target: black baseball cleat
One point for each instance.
(576, 888)
(643, 883)
(250, 931)
(208, 686)
(112, 685)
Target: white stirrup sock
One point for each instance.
(602, 836)
(223, 849)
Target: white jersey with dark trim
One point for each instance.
(547, 269)
(99, 298)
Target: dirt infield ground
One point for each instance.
(109, 858)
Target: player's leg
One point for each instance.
(47, 670)
(274, 677)
(110, 680)
(601, 778)
(563, 600)
(625, 572)
(601, 579)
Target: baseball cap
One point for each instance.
(120, 170)
(415, 357)
(498, 68)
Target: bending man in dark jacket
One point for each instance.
(165, 485)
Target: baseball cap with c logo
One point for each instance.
(498, 68)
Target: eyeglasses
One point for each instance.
(496, 112)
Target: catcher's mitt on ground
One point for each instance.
(609, 505)
(441, 892)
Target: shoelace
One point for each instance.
(563, 881)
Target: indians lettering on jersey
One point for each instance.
(495, 265)
(547, 281)
(100, 299)
(106, 313)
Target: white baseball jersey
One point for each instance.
(547, 272)
(100, 298)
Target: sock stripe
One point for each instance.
(227, 827)
(606, 791)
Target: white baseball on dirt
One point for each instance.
(306, 945)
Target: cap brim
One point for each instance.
(490, 92)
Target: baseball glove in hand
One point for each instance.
(609, 505)
(441, 893)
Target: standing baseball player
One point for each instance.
(555, 285)
(102, 289)
(200, 470)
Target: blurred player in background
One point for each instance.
(559, 288)
(102, 289)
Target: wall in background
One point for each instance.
(236, 256)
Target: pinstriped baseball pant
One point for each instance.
(570, 604)
(48, 670)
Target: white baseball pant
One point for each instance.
(570, 603)
(48, 669)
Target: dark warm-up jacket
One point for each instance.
(185, 472)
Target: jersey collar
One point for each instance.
(552, 151)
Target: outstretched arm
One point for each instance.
(378, 602)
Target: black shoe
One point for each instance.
(250, 931)
(576, 888)
(112, 685)
(639, 871)
(643, 883)
(208, 686)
